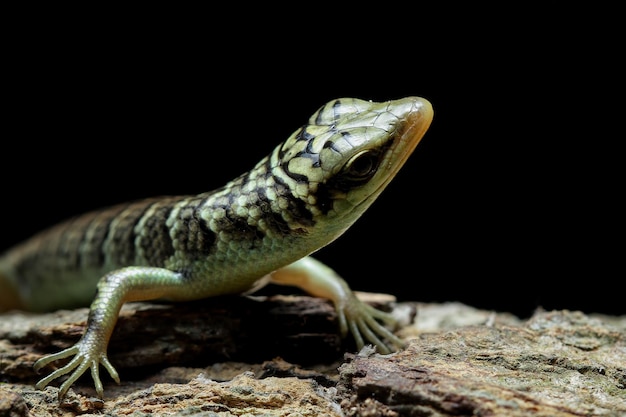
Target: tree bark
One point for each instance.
(282, 354)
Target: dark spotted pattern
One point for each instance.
(238, 228)
(324, 198)
(119, 247)
(248, 229)
(193, 236)
(274, 221)
(92, 248)
(310, 154)
(296, 208)
(155, 240)
(331, 145)
(67, 247)
(302, 136)
(294, 175)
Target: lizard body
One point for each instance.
(260, 227)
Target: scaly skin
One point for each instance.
(260, 227)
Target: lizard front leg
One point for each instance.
(114, 289)
(361, 319)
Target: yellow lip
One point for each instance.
(416, 123)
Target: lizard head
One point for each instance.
(348, 152)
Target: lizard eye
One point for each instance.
(362, 165)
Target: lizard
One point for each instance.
(261, 227)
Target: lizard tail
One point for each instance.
(9, 296)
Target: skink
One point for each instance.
(260, 227)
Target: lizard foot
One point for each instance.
(363, 322)
(86, 357)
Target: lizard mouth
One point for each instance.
(414, 126)
(411, 129)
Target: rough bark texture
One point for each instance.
(282, 356)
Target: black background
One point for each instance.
(513, 200)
